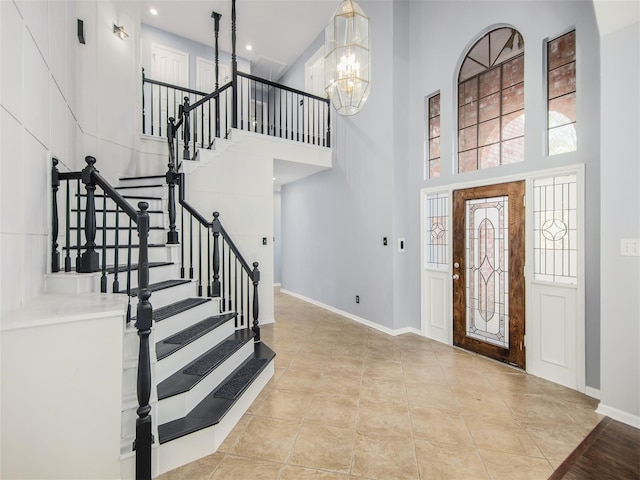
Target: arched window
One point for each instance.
(491, 102)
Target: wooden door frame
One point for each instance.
(515, 354)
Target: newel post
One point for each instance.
(234, 67)
(255, 277)
(216, 228)
(89, 261)
(216, 29)
(144, 436)
(55, 183)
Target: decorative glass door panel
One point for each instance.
(488, 276)
(487, 260)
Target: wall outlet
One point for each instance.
(630, 247)
(357, 298)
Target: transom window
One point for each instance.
(491, 102)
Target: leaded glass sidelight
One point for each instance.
(561, 94)
(555, 227)
(436, 225)
(491, 102)
(487, 276)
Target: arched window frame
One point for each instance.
(490, 87)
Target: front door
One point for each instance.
(488, 271)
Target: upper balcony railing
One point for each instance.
(261, 106)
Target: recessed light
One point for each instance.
(249, 47)
(274, 178)
(153, 11)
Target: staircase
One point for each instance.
(207, 362)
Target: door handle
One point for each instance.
(455, 276)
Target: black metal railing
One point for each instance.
(260, 106)
(209, 255)
(83, 216)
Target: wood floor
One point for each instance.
(610, 452)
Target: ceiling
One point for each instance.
(278, 30)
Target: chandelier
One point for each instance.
(347, 58)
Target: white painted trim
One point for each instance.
(277, 284)
(350, 316)
(619, 415)
(592, 392)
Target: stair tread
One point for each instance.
(213, 408)
(175, 308)
(134, 266)
(124, 179)
(188, 377)
(112, 210)
(122, 245)
(121, 227)
(126, 187)
(169, 345)
(154, 287)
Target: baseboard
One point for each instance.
(277, 285)
(619, 415)
(592, 392)
(355, 318)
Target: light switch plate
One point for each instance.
(630, 247)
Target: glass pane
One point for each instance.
(513, 71)
(468, 115)
(434, 147)
(434, 127)
(513, 98)
(562, 80)
(467, 161)
(489, 156)
(555, 229)
(490, 107)
(489, 132)
(562, 110)
(470, 90)
(487, 276)
(490, 82)
(468, 138)
(562, 50)
(513, 125)
(434, 168)
(513, 151)
(563, 139)
(434, 106)
(436, 221)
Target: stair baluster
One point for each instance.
(116, 251)
(90, 258)
(55, 184)
(103, 279)
(78, 222)
(215, 286)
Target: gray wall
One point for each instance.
(333, 222)
(620, 388)
(277, 235)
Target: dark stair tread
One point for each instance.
(175, 308)
(154, 287)
(140, 186)
(113, 210)
(134, 266)
(187, 378)
(213, 408)
(120, 227)
(142, 177)
(183, 338)
(122, 245)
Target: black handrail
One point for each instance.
(90, 262)
(282, 87)
(225, 252)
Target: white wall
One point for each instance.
(277, 236)
(620, 200)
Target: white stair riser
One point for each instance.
(156, 274)
(156, 219)
(155, 180)
(156, 236)
(166, 296)
(172, 325)
(154, 203)
(178, 406)
(178, 359)
(156, 254)
(204, 442)
(145, 191)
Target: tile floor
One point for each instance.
(348, 401)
